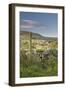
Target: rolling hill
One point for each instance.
(36, 36)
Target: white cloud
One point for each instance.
(29, 24)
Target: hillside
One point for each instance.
(36, 36)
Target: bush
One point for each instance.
(35, 66)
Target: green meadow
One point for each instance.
(38, 55)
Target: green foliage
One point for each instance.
(36, 67)
(38, 57)
(23, 59)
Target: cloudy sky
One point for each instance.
(42, 23)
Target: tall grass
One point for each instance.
(36, 66)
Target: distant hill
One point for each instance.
(37, 36)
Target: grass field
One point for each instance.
(38, 57)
